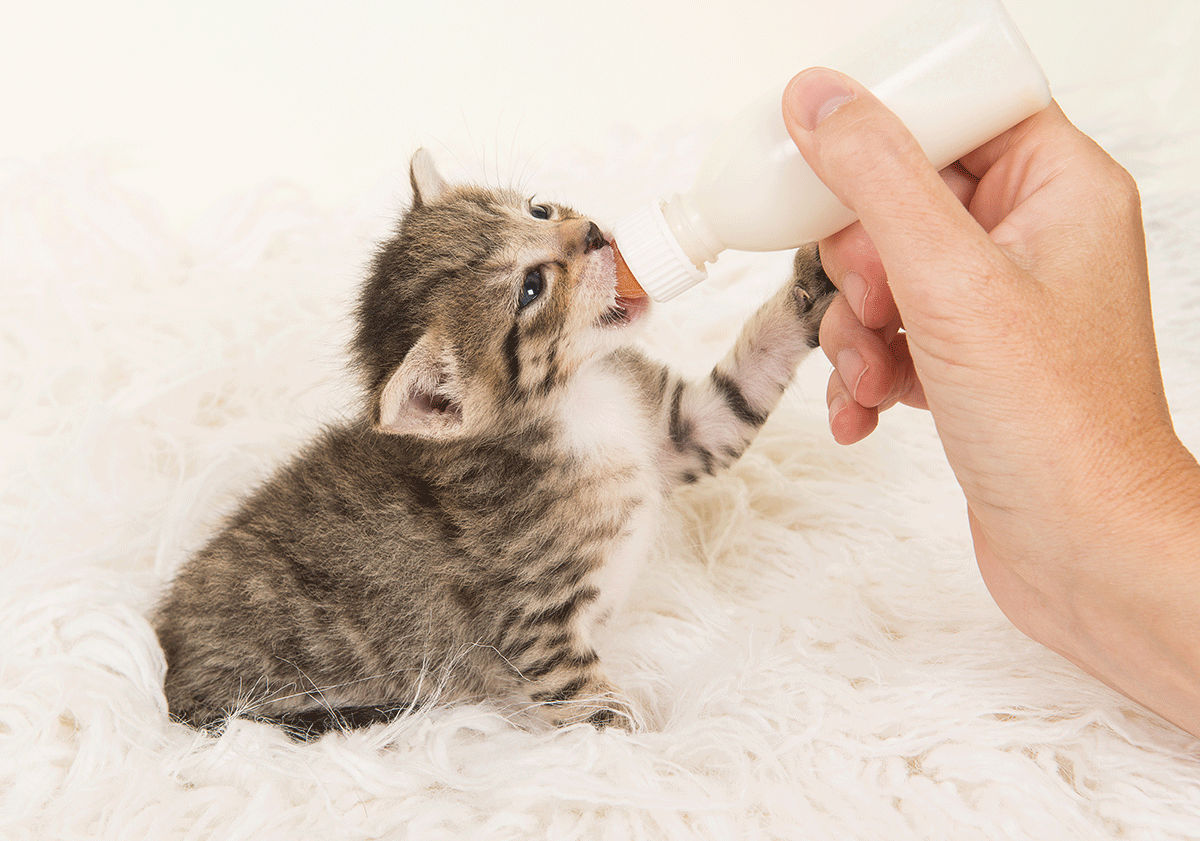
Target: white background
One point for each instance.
(193, 101)
(812, 644)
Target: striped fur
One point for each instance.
(468, 536)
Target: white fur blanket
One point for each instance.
(811, 646)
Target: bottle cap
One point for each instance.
(654, 255)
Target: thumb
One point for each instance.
(870, 161)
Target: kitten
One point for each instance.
(467, 534)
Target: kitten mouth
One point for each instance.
(624, 312)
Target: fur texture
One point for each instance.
(810, 645)
(470, 533)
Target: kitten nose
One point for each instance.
(594, 239)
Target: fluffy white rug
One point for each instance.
(811, 646)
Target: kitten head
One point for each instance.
(483, 305)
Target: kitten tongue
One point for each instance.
(627, 285)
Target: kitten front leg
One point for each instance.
(556, 669)
(710, 422)
(586, 696)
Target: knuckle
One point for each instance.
(1118, 200)
(1113, 182)
(1125, 182)
(1126, 189)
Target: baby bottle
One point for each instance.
(956, 72)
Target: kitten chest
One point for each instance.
(608, 435)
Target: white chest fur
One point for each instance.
(604, 426)
(601, 418)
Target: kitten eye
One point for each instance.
(531, 288)
(539, 211)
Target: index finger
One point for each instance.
(853, 264)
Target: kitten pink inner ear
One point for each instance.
(422, 397)
(427, 183)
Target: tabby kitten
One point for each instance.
(465, 537)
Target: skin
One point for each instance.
(1009, 296)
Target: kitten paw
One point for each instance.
(809, 282)
(812, 292)
(600, 705)
(607, 717)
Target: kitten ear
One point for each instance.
(424, 394)
(427, 182)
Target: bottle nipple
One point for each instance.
(627, 285)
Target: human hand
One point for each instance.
(1019, 277)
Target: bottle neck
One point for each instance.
(691, 231)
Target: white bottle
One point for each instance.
(957, 72)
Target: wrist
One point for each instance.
(1129, 616)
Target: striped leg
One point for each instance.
(710, 422)
(557, 670)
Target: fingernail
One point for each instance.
(852, 368)
(815, 94)
(855, 288)
(836, 407)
